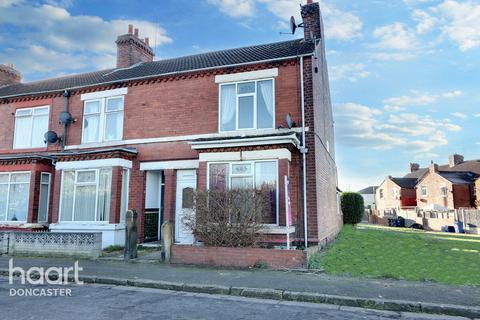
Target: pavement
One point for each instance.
(103, 302)
(281, 285)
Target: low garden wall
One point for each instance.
(51, 243)
(238, 257)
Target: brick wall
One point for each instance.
(462, 196)
(237, 257)
(433, 182)
(388, 201)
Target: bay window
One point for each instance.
(248, 174)
(30, 127)
(247, 105)
(103, 119)
(14, 196)
(86, 195)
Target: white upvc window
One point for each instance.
(247, 105)
(44, 202)
(14, 196)
(423, 191)
(30, 127)
(103, 119)
(85, 195)
(443, 190)
(247, 174)
(395, 194)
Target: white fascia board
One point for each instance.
(247, 155)
(165, 165)
(90, 164)
(104, 94)
(240, 142)
(244, 76)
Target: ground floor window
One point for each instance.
(44, 201)
(14, 196)
(86, 195)
(248, 174)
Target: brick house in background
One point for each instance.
(395, 193)
(145, 134)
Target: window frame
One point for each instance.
(423, 188)
(49, 184)
(75, 183)
(443, 187)
(102, 121)
(252, 163)
(9, 183)
(255, 122)
(32, 117)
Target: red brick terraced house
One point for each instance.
(147, 133)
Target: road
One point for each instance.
(90, 301)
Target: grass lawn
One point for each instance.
(380, 252)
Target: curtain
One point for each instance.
(18, 202)
(39, 127)
(104, 190)
(67, 195)
(22, 132)
(228, 106)
(114, 126)
(218, 176)
(266, 179)
(3, 200)
(265, 104)
(85, 202)
(91, 128)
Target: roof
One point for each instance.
(465, 166)
(408, 183)
(368, 190)
(459, 177)
(210, 60)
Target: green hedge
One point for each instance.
(352, 207)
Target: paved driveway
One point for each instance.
(111, 302)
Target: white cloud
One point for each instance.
(477, 115)
(420, 99)
(235, 8)
(366, 127)
(394, 36)
(339, 24)
(48, 36)
(351, 72)
(391, 108)
(459, 115)
(458, 21)
(393, 56)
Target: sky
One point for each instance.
(404, 74)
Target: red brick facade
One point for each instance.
(162, 115)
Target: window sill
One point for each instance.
(275, 229)
(86, 226)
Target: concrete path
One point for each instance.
(104, 302)
(289, 281)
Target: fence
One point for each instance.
(51, 243)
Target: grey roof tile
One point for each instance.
(210, 60)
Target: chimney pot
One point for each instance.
(312, 21)
(136, 32)
(147, 41)
(414, 167)
(130, 29)
(433, 167)
(455, 159)
(9, 75)
(132, 50)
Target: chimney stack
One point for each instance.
(9, 75)
(414, 167)
(312, 20)
(433, 167)
(455, 159)
(132, 50)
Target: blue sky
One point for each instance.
(404, 74)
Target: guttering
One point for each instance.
(251, 141)
(304, 151)
(121, 81)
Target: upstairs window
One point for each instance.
(30, 127)
(103, 120)
(423, 191)
(443, 191)
(247, 105)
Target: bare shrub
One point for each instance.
(229, 218)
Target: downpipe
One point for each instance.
(303, 151)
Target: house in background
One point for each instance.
(446, 189)
(145, 134)
(368, 195)
(395, 193)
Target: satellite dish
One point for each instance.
(51, 137)
(293, 25)
(289, 121)
(66, 118)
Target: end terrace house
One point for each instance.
(146, 134)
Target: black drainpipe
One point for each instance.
(66, 95)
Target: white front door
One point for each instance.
(186, 185)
